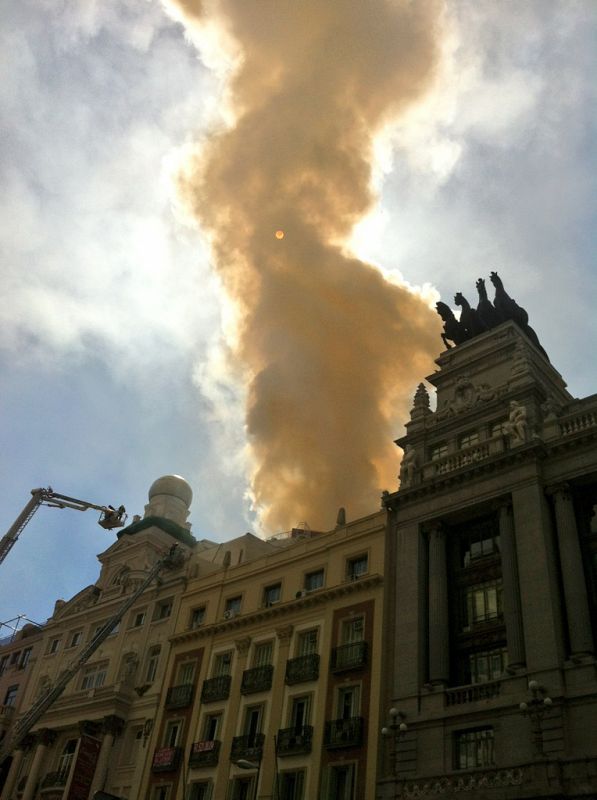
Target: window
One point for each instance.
(438, 451)
(307, 642)
(94, 676)
(172, 735)
(300, 711)
(222, 664)
(233, 605)
(11, 695)
(200, 790)
(292, 785)
(161, 793)
(211, 726)
(272, 594)
(14, 658)
(479, 540)
(469, 439)
(487, 665)
(66, 757)
(242, 789)
(3, 664)
(314, 580)
(341, 782)
(138, 619)
(348, 702)
(53, 646)
(153, 658)
(163, 609)
(186, 673)
(75, 639)
(356, 567)
(353, 630)
(25, 657)
(197, 617)
(252, 723)
(262, 655)
(473, 748)
(482, 603)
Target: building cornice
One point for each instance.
(279, 610)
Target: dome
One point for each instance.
(174, 486)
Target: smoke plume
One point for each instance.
(332, 349)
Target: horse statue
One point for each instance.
(453, 329)
(485, 308)
(506, 306)
(469, 317)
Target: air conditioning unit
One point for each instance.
(301, 593)
(230, 613)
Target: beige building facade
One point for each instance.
(273, 677)
(491, 609)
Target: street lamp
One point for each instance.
(396, 729)
(244, 764)
(535, 709)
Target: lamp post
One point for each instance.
(535, 709)
(244, 764)
(396, 729)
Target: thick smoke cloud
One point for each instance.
(331, 349)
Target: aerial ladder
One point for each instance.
(171, 560)
(110, 517)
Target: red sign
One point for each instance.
(164, 757)
(84, 768)
(203, 747)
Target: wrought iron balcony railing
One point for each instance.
(349, 656)
(216, 689)
(293, 741)
(166, 759)
(302, 669)
(53, 779)
(257, 679)
(344, 733)
(205, 753)
(179, 696)
(248, 747)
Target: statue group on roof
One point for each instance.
(487, 315)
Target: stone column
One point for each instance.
(45, 738)
(11, 778)
(111, 728)
(511, 596)
(573, 576)
(439, 641)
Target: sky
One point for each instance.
(115, 320)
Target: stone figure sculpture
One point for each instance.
(516, 426)
(408, 467)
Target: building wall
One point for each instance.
(491, 559)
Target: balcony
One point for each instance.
(301, 669)
(248, 747)
(216, 689)
(344, 733)
(294, 741)
(166, 759)
(205, 753)
(349, 656)
(179, 696)
(472, 693)
(258, 679)
(54, 779)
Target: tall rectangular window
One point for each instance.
(300, 711)
(357, 567)
(253, 719)
(473, 748)
(222, 664)
(233, 605)
(197, 617)
(186, 673)
(94, 676)
(292, 785)
(200, 790)
(25, 657)
(11, 695)
(173, 731)
(153, 658)
(272, 594)
(314, 580)
(341, 779)
(163, 609)
(211, 726)
(353, 630)
(307, 642)
(262, 656)
(348, 702)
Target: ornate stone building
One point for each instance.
(492, 582)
